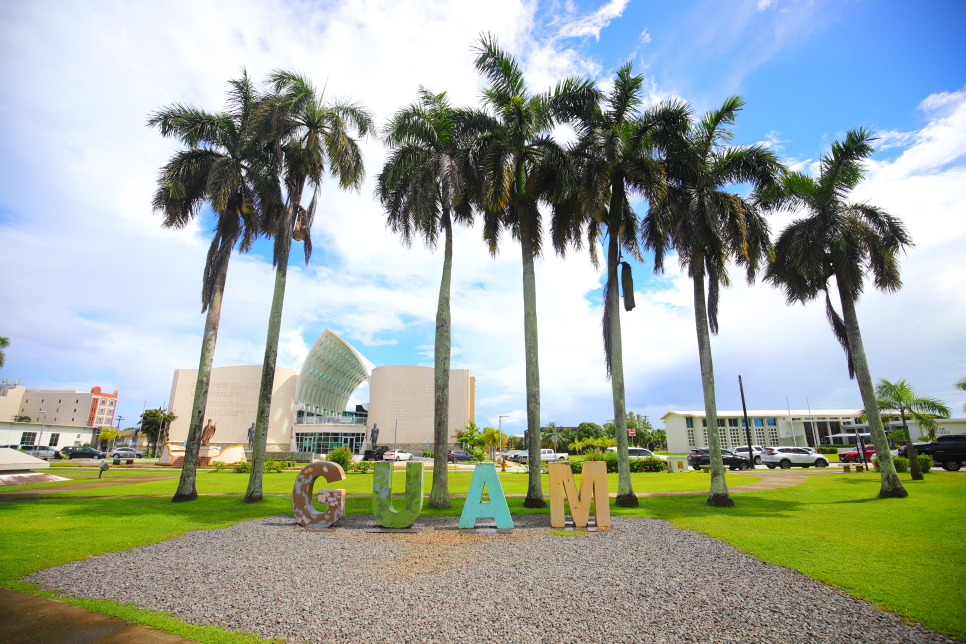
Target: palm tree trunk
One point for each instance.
(187, 490)
(439, 495)
(534, 497)
(254, 492)
(911, 453)
(625, 491)
(890, 487)
(719, 496)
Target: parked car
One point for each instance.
(702, 456)
(948, 451)
(127, 452)
(786, 457)
(639, 452)
(458, 455)
(852, 455)
(397, 455)
(743, 451)
(40, 451)
(510, 455)
(546, 455)
(82, 452)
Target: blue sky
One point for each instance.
(95, 293)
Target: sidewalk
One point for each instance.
(28, 619)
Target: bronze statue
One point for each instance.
(374, 435)
(207, 433)
(251, 436)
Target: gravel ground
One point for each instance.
(643, 581)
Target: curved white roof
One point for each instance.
(331, 372)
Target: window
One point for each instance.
(691, 437)
(721, 422)
(732, 422)
(704, 422)
(54, 439)
(58, 401)
(111, 403)
(758, 422)
(100, 420)
(689, 422)
(28, 438)
(772, 422)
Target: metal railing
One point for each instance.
(331, 420)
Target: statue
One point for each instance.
(251, 436)
(207, 433)
(374, 435)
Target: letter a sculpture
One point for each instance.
(485, 476)
(386, 515)
(305, 512)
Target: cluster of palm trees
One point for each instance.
(500, 163)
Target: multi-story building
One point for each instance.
(689, 429)
(67, 407)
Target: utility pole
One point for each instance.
(119, 419)
(500, 419)
(744, 411)
(43, 426)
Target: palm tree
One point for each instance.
(901, 397)
(309, 137)
(845, 241)
(221, 167)
(519, 163)
(422, 187)
(707, 226)
(4, 343)
(960, 384)
(613, 159)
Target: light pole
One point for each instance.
(119, 419)
(43, 426)
(500, 420)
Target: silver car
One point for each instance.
(127, 452)
(742, 450)
(40, 451)
(786, 457)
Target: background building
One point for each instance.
(68, 407)
(688, 429)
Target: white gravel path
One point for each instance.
(644, 581)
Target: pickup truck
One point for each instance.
(545, 456)
(949, 452)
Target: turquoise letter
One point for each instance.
(386, 515)
(484, 475)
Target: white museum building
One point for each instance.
(309, 406)
(687, 430)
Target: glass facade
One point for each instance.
(324, 442)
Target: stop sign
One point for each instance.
(632, 432)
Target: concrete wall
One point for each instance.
(11, 398)
(10, 433)
(233, 403)
(405, 394)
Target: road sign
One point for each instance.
(632, 432)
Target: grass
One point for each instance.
(904, 555)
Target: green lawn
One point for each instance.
(212, 482)
(905, 555)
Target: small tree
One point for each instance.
(901, 397)
(154, 424)
(21, 419)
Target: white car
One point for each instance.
(639, 452)
(743, 451)
(786, 457)
(127, 452)
(397, 455)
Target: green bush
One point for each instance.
(273, 466)
(428, 453)
(340, 455)
(577, 464)
(827, 450)
(362, 467)
(649, 464)
(902, 464)
(219, 465)
(925, 462)
(241, 467)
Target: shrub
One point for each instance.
(902, 464)
(341, 456)
(274, 466)
(827, 450)
(219, 465)
(362, 467)
(576, 464)
(241, 467)
(428, 453)
(649, 464)
(925, 462)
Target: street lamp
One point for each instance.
(119, 419)
(43, 426)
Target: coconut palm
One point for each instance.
(613, 159)
(423, 189)
(308, 136)
(518, 164)
(846, 241)
(4, 343)
(899, 396)
(960, 384)
(708, 226)
(223, 168)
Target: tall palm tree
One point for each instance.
(4, 343)
(519, 163)
(959, 384)
(309, 136)
(846, 241)
(708, 226)
(423, 189)
(223, 167)
(901, 397)
(613, 159)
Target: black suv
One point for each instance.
(458, 455)
(702, 456)
(81, 452)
